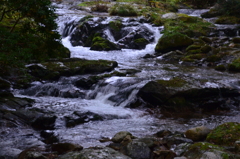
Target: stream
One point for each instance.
(108, 98)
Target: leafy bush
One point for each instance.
(27, 32)
(123, 10)
(229, 7)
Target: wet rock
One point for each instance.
(154, 93)
(86, 83)
(176, 140)
(226, 134)
(181, 148)
(45, 122)
(197, 133)
(62, 148)
(49, 137)
(164, 154)
(99, 153)
(119, 137)
(171, 42)
(30, 154)
(52, 70)
(81, 117)
(163, 133)
(138, 150)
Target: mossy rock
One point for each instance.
(213, 58)
(225, 134)
(236, 40)
(190, 26)
(193, 57)
(101, 44)
(62, 148)
(206, 49)
(115, 25)
(193, 47)
(228, 20)
(234, 66)
(204, 150)
(123, 10)
(220, 68)
(174, 82)
(171, 42)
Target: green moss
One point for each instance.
(193, 57)
(140, 41)
(235, 65)
(197, 51)
(115, 25)
(193, 47)
(225, 134)
(220, 68)
(174, 82)
(192, 28)
(101, 44)
(213, 58)
(204, 146)
(172, 41)
(123, 10)
(228, 20)
(206, 49)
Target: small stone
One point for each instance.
(118, 137)
(62, 148)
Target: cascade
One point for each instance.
(108, 98)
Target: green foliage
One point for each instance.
(27, 32)
(229, 7)
(235, 65)
(191, 26)
(123, 10)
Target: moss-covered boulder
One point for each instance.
(123, 10)
(228, 20)
(204, 150)
(234, 66)
(173, 41)
(225, 134)
(188, 25)
(101, 44)
(52, 70)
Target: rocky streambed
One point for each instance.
(126, 94)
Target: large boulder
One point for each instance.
(154, 93)
(171, 42)
(53, 70)
(225, 134)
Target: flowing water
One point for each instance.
(99, 99)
